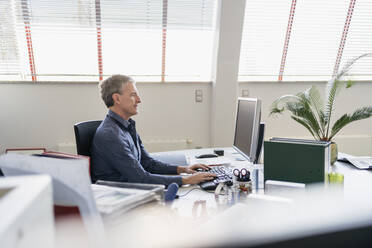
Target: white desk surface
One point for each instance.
(199, 218)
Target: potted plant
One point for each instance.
(311, 111)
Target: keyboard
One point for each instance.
(224, 175)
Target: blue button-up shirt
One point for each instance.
(117, 156)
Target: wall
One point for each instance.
(43, 115)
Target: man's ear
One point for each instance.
(116, 98)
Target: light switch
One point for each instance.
(198, 96)
(245, 93)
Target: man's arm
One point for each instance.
(155, 166)
(119, 155)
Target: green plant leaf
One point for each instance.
(303, 123)
(359, 114)
(349, 83)
(324, 124)
(317, 104)
(308, 112)
(311, 111)
(300, 107)
(302, 110)
(333, 87)
(275, 109)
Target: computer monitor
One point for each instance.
(247, 128)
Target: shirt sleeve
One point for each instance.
(155, 166)
(120, 156)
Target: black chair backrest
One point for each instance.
(84, 133)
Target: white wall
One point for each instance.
(43, 115)
(169, 111)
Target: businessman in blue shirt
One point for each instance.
(117, 151)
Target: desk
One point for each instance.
(197, 219)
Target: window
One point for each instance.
(9, 53)
(359, 41)
(305, 40)
(86, 40)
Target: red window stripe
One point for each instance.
(287, 37)
(99, 38)
(164, 38)
(30, 50)
(344, 36)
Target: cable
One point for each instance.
(192, 190)
(211, 192)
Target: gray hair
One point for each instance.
(112, 85)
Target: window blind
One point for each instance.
(84, 40)
(324, 35)
(359, 41)
(9, 54)
(190, 37)
(264, 29)
(159, 40)
(316, 34)
(63, 36)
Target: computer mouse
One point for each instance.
(211, 155)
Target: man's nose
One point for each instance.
(138, 99)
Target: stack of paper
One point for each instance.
(114, 197)
(359, 162)
(110, 199)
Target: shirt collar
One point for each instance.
(117, 117)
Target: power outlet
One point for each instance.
(245, 93)
(198, 96)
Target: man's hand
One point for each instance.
(191, 169)
(198, 177)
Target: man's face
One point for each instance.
(128, 100)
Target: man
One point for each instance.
(117, 151)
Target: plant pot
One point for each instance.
(334, 153)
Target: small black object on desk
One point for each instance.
(207, 156)
(219, 152)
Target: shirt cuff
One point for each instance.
(179, 180)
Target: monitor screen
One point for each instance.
(247, 127)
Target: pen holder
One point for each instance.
(242, 180)
(245, 186)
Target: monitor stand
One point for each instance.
(260, 141)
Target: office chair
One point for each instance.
(84, 133)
